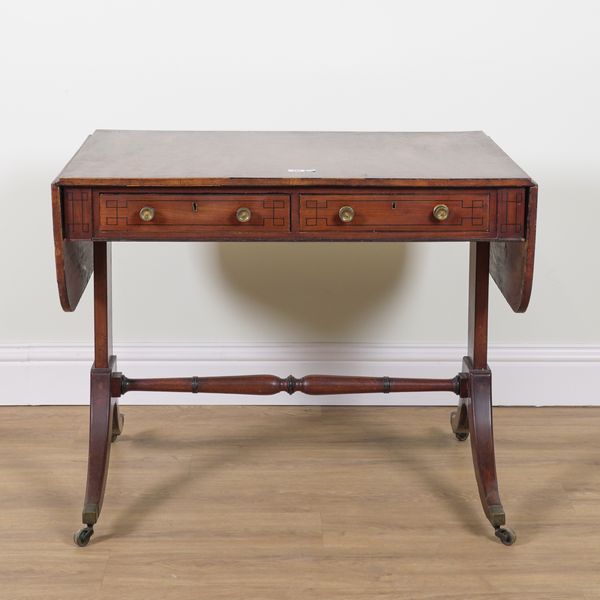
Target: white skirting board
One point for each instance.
(522, 375)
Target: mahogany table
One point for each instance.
(277, 186)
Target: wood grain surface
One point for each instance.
(290, 158)
(73, 259)
(307, 503)
(511, 263)
(119, 163)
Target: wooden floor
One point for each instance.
(304, 503)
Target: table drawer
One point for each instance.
(468, 212)
(141, 215)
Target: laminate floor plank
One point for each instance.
(299, 503)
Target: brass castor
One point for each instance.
(83, 536)
(506, 535)
(461, 437)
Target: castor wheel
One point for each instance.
(83, 536)
(506, 535)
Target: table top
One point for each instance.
(99, 196)
(180, 158)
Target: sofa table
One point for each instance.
(295, 187)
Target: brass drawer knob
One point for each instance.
(147, 214)
(243, 214)
(441, 212)
(346, 214)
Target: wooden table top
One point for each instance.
(181, 158)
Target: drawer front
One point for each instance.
(131, 215)
(468, 212)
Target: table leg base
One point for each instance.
(473, 418)
(106, 424)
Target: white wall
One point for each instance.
(525, 72)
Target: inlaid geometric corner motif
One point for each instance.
(474, 212)
(316, 219)
(511, 212)
(115, 211)
(78, 211)
(277, 217)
